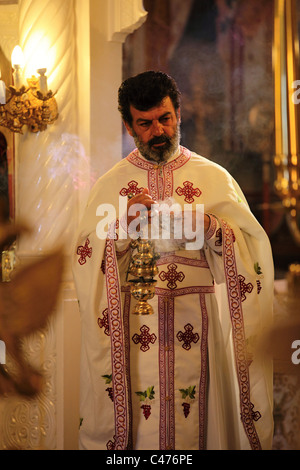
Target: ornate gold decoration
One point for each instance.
(28, 106)
(8, 261)
(142, 267)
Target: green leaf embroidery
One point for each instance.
(257, 268)
(142, 395)
(108, 378)
(149, 393)
(184, 392)
(188, 392)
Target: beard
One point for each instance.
(159, 154)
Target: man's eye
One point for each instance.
(144, 124)
(164, 120)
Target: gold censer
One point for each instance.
(142, 267)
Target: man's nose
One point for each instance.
(157, 128)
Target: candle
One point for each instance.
(17, 60)
(43, 81)
(2, 92)
(18, 82)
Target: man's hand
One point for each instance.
(143, 198)
(146, 201)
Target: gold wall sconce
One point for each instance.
(32, 106)
(287, 111)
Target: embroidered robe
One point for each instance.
(188, 376)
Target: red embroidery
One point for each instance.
(202, 396)
(255, 414)
(84, 251)
(160, 188)
(132, 189)
(117, 346)
(188, 191)
(187, 394)
(166, 258)
(238, 333)
(258, 271)
(116, 228)
(258, 283)
(212, 227)
(144, 338)
(170, 167)
(187, 337)
(219, 237)
(166, 371)
(146, 397)
(109, 390)
(103, 322)
(181, 291)
(172, 276)
(111, 445)
(186, 409)
(112, 230)
(244, 287)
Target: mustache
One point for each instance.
(159, 140)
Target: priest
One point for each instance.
(188, 376)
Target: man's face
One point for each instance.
(155, 131)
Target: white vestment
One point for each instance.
(188, 376)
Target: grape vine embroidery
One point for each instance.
(109, 390)
(188, 394)
(146, 397)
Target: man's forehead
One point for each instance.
(164, 106)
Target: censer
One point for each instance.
(142, 267)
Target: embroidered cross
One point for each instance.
(132, 189)
(172, 276)
(188, 191)
(103, 322)
(187, 337)
(144, 338)
(244, 287)
(84, 251)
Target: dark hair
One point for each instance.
(146, 90)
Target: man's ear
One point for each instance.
(128, 128)
(178, 115)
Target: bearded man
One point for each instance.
(188, 376)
